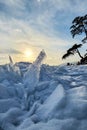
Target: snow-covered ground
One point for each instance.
(35, 97)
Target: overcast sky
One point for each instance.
(37, 25)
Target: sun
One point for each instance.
(28, 53)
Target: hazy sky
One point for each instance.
(33, 25)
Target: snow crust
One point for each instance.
(53, 98)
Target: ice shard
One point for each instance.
(10, 59)
(31, 77)
(49, 107)
(40, 58)
(13, 67)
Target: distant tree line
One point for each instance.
(79, 26)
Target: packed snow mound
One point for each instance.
(43, 97)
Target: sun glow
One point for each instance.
(28, 53)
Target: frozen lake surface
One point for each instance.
(43, 97)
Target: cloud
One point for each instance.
(38, 24)
(44, 16)
(18, 34)
(10, 51)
